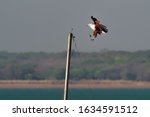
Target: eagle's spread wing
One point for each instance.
(104, 28)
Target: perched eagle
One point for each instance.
(97, 27)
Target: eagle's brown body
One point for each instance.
(98, 27)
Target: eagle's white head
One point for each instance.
(92, 26)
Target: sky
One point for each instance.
(43, 25)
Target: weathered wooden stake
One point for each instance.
(70, 36)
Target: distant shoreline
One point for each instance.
(73, 84)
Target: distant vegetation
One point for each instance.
(106, 65)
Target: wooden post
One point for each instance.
(70, 36)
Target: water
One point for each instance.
(75, 94)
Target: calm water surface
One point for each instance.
(75, 94)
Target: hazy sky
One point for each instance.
(43, 25)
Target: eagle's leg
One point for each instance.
(91, 35)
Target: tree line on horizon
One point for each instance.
(106, 65)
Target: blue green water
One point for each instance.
(75, 94)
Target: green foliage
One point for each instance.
(53, 73)
(14, 71)
(106, 65)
